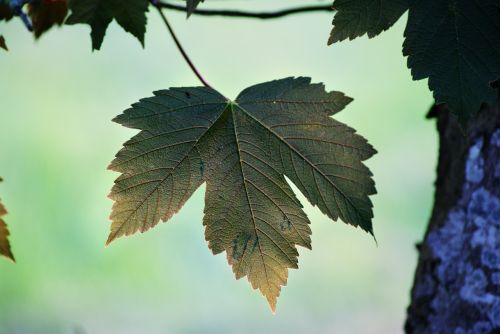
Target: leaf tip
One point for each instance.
(112, 236)
(10, 256)
(3, 44)
(348, 99)
(370, 231)
(374, 238)
(141, 40)
(116, 119)
(272, 305)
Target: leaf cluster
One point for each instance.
(453, 43)
(41, 15)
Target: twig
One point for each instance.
(254, 15)
(179, 46)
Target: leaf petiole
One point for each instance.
(179, 45)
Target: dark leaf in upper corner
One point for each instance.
(453, 43)
(456, 44)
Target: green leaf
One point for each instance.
(4, 233)
(191, 5)
(243, 150)
(130, 14)
(456, 44)
(354, 18)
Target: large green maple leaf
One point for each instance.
(130, 15)
(4, 234)
(453, 43)
(243, 150)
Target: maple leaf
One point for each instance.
(46, 13)
(4, 233)
(453, 43)
(130, 15)
(355, 18)
(191, 5)
(243, 150)
(456, 44)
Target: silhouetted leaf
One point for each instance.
(456, 44)
(3, 45)
(130, 14)
(453, 43)
(191, 5)
(46, 13)
(243, 150)
(6, 12)
(355, 18)
(4, 233)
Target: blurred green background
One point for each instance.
(57, 138)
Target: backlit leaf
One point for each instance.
(130, 14)
(243, 150)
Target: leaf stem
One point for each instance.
(255, 15)
(179, 45)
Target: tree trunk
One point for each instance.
(457, 282)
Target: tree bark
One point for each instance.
(456, 288)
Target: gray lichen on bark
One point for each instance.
(457, 282)
(467, 248)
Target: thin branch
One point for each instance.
(254, 15)
(179, 46)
